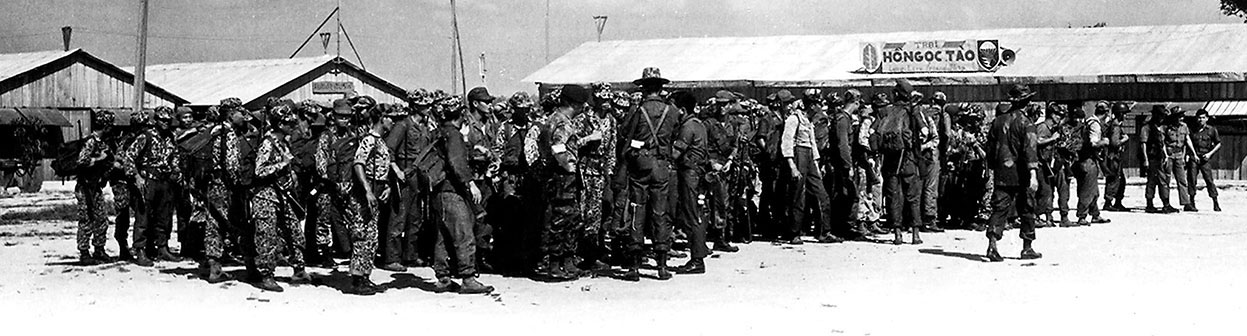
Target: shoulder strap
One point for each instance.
(653, 131)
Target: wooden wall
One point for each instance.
(77, 85)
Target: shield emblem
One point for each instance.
(989, 54)
(870, 58)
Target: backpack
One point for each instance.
(892, 131)
(66, 162)
(248, 149)
(431, 161)
(342, 158)
(197, 158)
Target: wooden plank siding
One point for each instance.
(76, 85)
(362, 88)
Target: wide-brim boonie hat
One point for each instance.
(651, 76)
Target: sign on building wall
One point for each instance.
(934, 56)
(333, 87)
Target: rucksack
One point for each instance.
(1071, 141)
(892, 131)
(66, 162)
(248, 149)
(198, 155)
(342, 158)
(431, 161)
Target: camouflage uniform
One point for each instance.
(562, 146)
(597, 163)
(123, 189)
(216, 196)
(154, 157)
(740, 177)
(277, 225)
(362, 217)
(330, 203)
(92, 221)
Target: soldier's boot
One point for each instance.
(362, 285)
(873, 228)
(993, 255)
(694, 266)
(124, 247)
(897, 239)
(100, 255)
(84, 258)
(394, 267)
(163, 253)
(663, 272)
(1190, 207)
(724, 246)
(634, 272)
(267, 283)
(472, 286)
(300, 276)
(1216, 205)
(1028, 252)
(569, 266)
(444, 284)
(1120, 207)
(326, 257)
(140, 258)
(916, 239)
(215, 274)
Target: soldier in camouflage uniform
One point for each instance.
(367, 187)
(118, 141)
(742, 172)
(481, 132)
(330, 200)
(410, 141)
(722, 136)
(154, 168)
(560, 145)
(94, 160)
(597, 164)
(275, 214)
(970, 178)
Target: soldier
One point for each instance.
(896, 137)
(335, 149)
(303, 146)
(452, 180)
(647, 133)
(481, 130)
(560, 144)
(367, 187)
(94, 159)
(869, 181)
(742, 171)
(1177, 144)
(1206, 141)
(1012, 158)
(798, 147)
(1087, 168)
(1066, 154)
(970, 176)
(597, 160)
(1153, 150)
(690, 159)
(1114, 175)
(522, 200)
(1047, 132)
(842, 191)
(275, 214)
(154, 168)
(931, 159)
(190, 234)
(722, 137)
(124, 192)
(410, 140)
(218, 183)
(766, 157)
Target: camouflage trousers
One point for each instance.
(276, 227)
(868, 207)
(563, 228)
(218, 198)
(361, 220)
(92, 221)
(327, 212)
(592, 200)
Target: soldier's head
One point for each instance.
(685, 101)
(162, 118)
(651, 81)
(939, 98)
(902, 91)
(1176, 113)
(1056, 112)
(573, 99)
(521, 105)
(479, 100)
(343, 112)
(1101, 108)
(103, 120)
(1202, 117)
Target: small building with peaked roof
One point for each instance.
(321, 78)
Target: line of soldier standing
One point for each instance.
(588, 179)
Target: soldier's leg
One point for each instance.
(688, 215)
(83, 197)
(797, 205)
(660, 209)
(363, 235)
(214, 241)
(913, 201)
(1162, 182)
(1063, 191)
(1181, 183)
(99, 220)
(1003, 208)
(562, 227)
(264, 219)
(930, 193)
(457, 237)
(393, 225)
(413, 216)
(1043, 197)
(895, 199)
(717, 228)
(483, 230)
(161, 204)
(593, 200)
(290, 226)
(1206, 170)
(140, 240)
(123, 205)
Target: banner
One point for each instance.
(934, 56)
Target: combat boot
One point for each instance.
(663, 273)
(124, 247)
(634, 272)
(723, 246)
(1216, 205)
(1065, 222)
(694, 266)
(163, 253)
(916, 239)
(84, 258)
(472, 286)
(444, 284)
(1190, 207)
(1028, 252)
(394, 267)
(141, 259)
(362, 285)
(100, 256)
(897, 239)
(326, 258)
(300, 276)
(993, 255)
(215, 274)
(267, 283)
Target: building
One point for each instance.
(59, 89)
(1191, 65)
(322, 78)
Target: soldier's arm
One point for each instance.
(1216, 140)
(843, 148)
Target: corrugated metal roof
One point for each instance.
(1210, 52)
(1226, 108)
(16, 64)
(208, 83)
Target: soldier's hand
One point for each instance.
(1034, 182)
(140, 183)
(796, 174)
(476, 193)
(372, 200)
(385, 193)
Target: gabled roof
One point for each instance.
(209, 83)
(21, 67)
(1208, 52)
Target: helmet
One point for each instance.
(141, 117)
(103, 118)
(163, 113)
(420, 97)
(520, 99)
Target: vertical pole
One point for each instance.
(454, 18)
(481, 65)
(547, 31)
(141, 67)
(338, 16)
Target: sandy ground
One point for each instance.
(1140, 275)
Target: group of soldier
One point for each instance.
(588, 179)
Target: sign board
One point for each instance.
(934, 56)
(333, 87)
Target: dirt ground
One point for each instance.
(1142, 274)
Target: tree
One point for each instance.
(1236, 8)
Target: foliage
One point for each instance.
(1237, 8)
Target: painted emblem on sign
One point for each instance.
(989, 54)
(870, 58)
